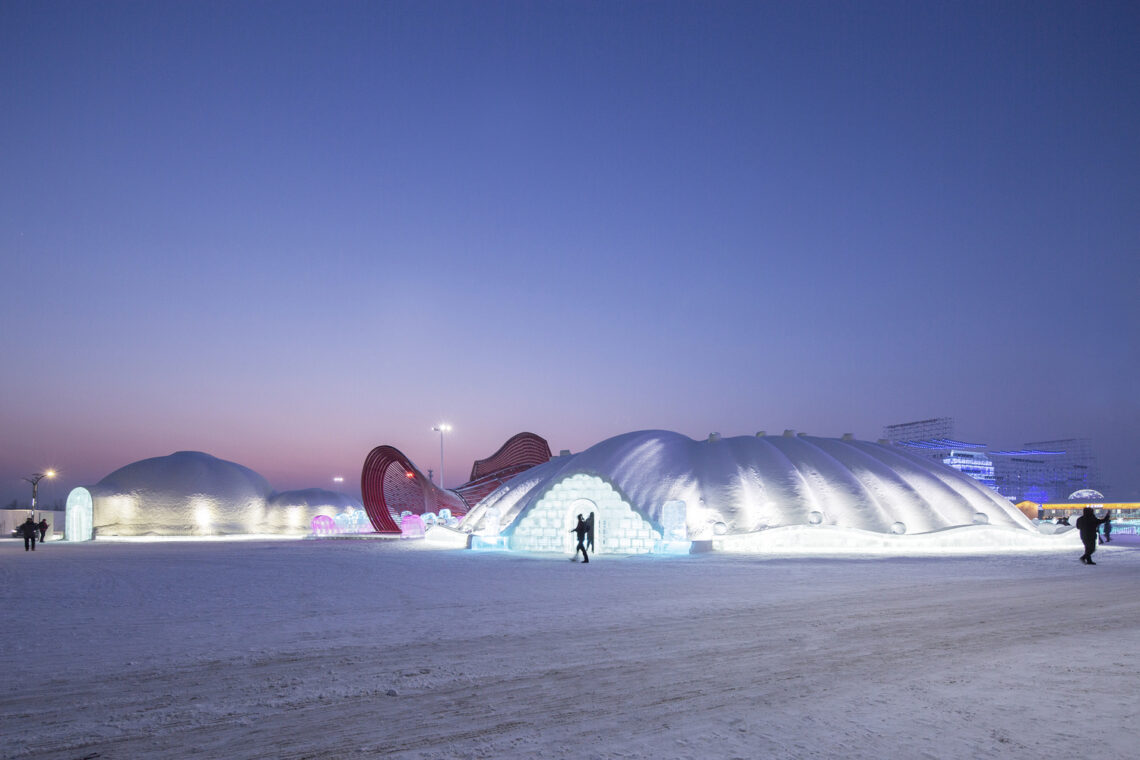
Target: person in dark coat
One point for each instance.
(582, 529)
(1107, 527)
(43, 526)
(590, 531)
(1087, 525)
(29, 530)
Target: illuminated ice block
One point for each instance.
(78, 520)
(490, 543)
(412, 526)
(672, 547)
(673, 520)
(492, 522)
(323, 525)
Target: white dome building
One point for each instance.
(190, 493)
(662, 491)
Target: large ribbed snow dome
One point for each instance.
(653, 486)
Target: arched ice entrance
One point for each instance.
(79, 519)
(618, 528)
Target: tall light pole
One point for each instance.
(35, 481)
(441, 428)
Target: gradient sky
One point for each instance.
(284, 233)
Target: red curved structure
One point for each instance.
(518, 454)
(391, 484)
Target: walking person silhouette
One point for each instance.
(582, 529)
(1088, 524)
(30, 530)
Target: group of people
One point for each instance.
(30, 529)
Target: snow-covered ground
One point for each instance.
(369, 648)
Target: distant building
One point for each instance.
(1047, 470)
(1040, 471)
(934, 439)
(936, 428)
(973, 463)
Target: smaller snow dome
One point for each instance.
(1086, 494)
(292, 512)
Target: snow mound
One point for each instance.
(968, 539)
(292, 512)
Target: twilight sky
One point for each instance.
(286, 232)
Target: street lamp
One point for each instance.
(441, 428)
(35, 481)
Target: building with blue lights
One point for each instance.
(1040, 471)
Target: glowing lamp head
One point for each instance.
(49, 474)
(410, 475)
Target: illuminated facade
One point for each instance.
(973, 463)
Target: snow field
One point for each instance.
(355, 649)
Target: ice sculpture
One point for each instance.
(323, 525)
(412, 526)
(78, 519)
(674, 538)
(673, 520)
(491, 524)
